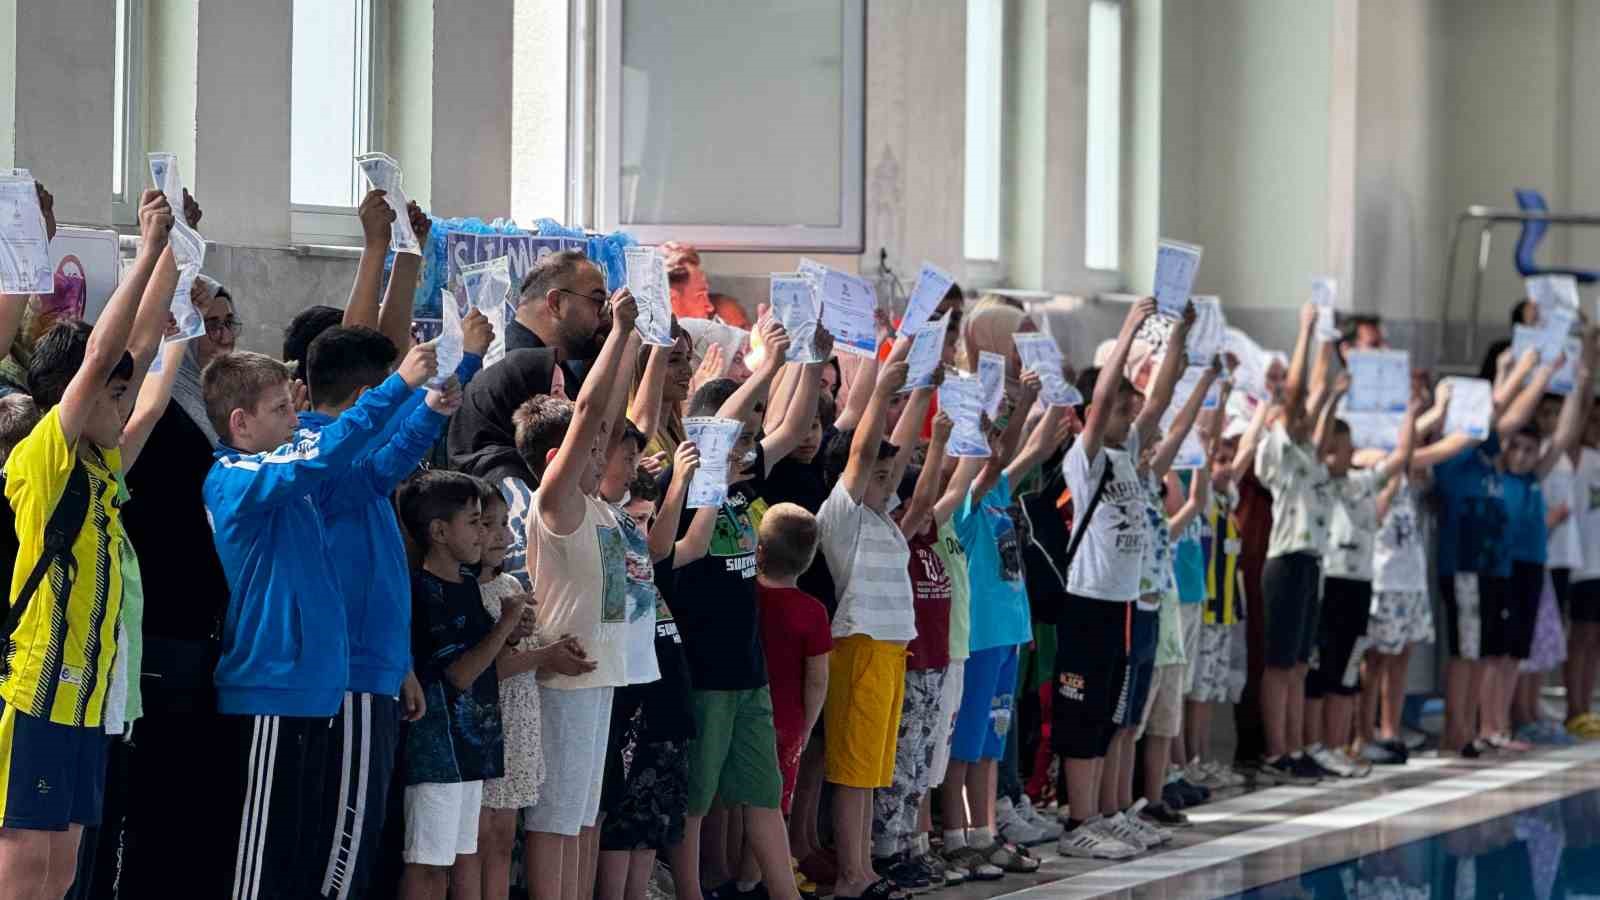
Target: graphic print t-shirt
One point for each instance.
(1564, 544)
(715, 597)
(1107, 566)
(640, 659)
(1586, 513)
(1472, 513)
(999, 600)
(1399, 558)
(1352, 525)
(931, 590)
(1525, 511)
(460, 737)
(1301, 500)
(1155, 564)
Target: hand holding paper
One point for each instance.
(1176, 266)
(647, 279)
(958, 398)
(1471, 402)
(992, 381)
(488, 287)
(24, 241)
(451, 342)
(933, 283)
(714, 438)
(927, 349)
(384, 174)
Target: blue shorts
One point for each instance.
(51, 775)
(1140, 677)
(986, 697)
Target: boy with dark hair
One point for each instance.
(59, 637)
(578, 560)
(459, 741)
(1093, 653)
(276, 694)
(368, 557)
(734, 757)
(304, 328)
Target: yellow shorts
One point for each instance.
(861, 718)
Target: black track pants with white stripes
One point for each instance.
(276, 806)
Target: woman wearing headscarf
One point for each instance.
(482, 439)
(185, 596)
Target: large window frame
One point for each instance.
(985, 116)
(606, 177)
(1103, 105)
(315, 224)
(128, 156)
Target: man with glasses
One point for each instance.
(562, 306)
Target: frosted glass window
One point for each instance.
(1103, 187)
(329, 101)
(985, 83)
(735, 122)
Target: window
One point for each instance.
(752, 142)
(127, 132)
(985, 65)
(1103, 186)
(539, 104)
(332, 116)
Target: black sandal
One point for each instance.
(882, 889)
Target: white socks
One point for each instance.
(954, 839)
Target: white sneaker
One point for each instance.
(1359, 768)
(1013, 828)
(1224, 774)
(1088, 841)
(1120, 828)
(1152, 834)
(1051, 828)
(1331, 760)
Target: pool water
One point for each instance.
(1543, 852)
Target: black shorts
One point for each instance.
(1290, 584)
(1561, 579)
(1473, 610)
(1346, 606)
(1092, 646)
(1585, 600)
(1521, 608)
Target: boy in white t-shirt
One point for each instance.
(1093, 653)
(1290, 466)
(1583, 643)
(1347, 572)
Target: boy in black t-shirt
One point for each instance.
(734, 757)
(458, 742)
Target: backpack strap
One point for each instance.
(1081, 526)
(66, 520)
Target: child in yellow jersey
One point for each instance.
(58, 640)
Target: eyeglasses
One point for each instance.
(215, 327)
(598, 297)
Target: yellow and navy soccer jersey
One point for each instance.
(1220, 539)
(60, 655)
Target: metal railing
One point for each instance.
(1486, 218)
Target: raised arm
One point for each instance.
(1296, 421)
(1199, 496)
(1321, 373)
(1508, 381)
(1574, 409)
(1432, 420)
(560, 501)
(962, 473)
(863, 373)
(1002, 448)
(664, 532)
(109, 339)
(645, 411)
(925, 496)
(1520, 411)
(1322, 412)
(739, 404)
(1159, 396)
(869, 434)
(782, 393)
(399, 300)
(1244, 459)
(154, 395)
(1110, 380)
(1172, 441)
(377, 220)
(1049, 433)
(800, 403)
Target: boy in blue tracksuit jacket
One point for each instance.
(285, 648)
(370, 568)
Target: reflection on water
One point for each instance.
(1549, 852)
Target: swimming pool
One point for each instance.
(1544, 852)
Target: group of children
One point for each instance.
(420, 657)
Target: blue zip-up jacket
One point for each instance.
(364, 543)
(285, 648)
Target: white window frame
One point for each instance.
(125, 204)
(847, 237)
(339, 226)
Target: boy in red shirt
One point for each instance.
(795, 635)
